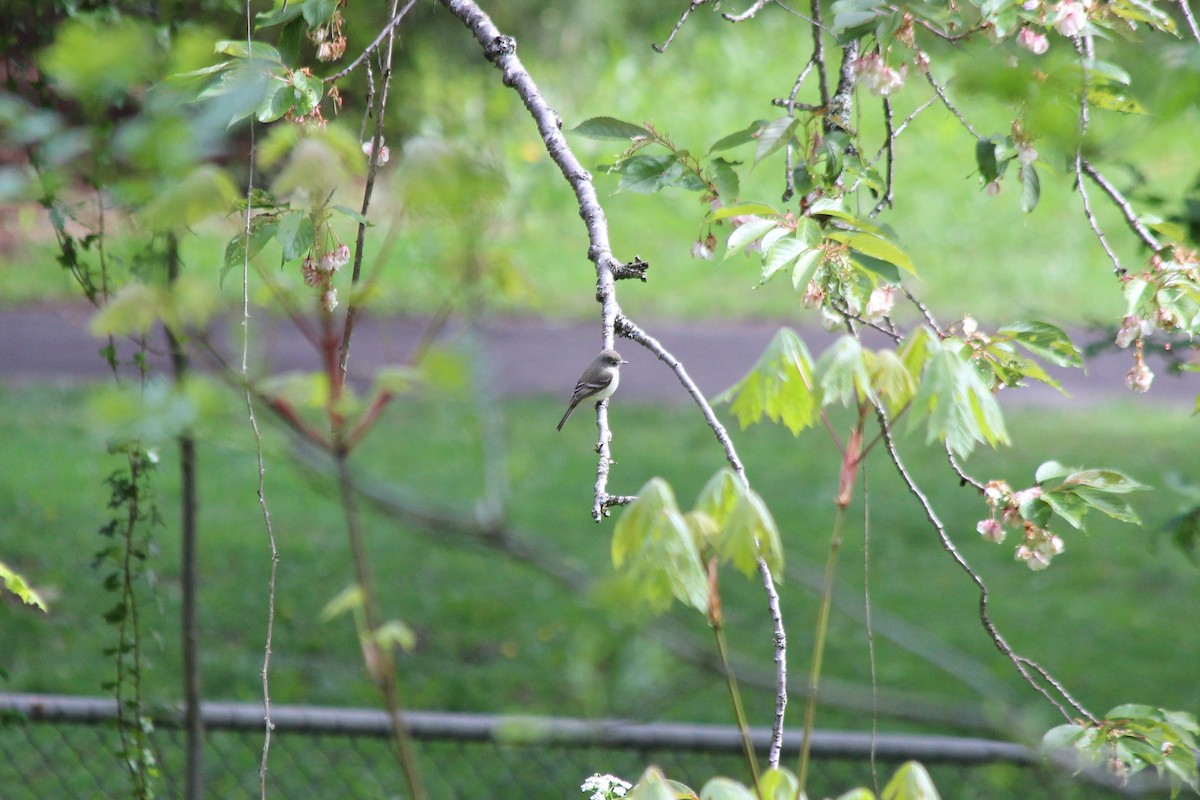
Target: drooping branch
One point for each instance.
(373, 46)
(757, 6)
(1023, 665)
(687, 12)
(1118, 199)
(1191, 19)
(941, 93)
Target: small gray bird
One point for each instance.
(598, 381)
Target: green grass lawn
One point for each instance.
(495, 635)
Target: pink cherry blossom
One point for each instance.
(1033, 41)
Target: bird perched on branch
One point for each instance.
(598, 381)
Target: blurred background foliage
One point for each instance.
(470, 196)
(972, 251)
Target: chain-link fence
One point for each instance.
(66, 747)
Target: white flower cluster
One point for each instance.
(605, 787)
(384, 153)
(871, 71)
(1039, 545)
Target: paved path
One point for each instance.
(531, 356)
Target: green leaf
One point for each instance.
(395, 379)
(284, 11)
(891, 380)
(723, 176)
(238, 49)
(985, 159)
(205, 191)
(1184, 530)
(296, 234)
(133, 309)
(352, 214)
(644, 174)
(318, 12)
(876, 247)
(276, 102)
(1111, 506)
(1062, 737)
(262, 230)
(610, 128)
(741, 209)
(1031, 187)
(298, 389)
(747, 233)
(961, 409)
(780, 386)
(806, 265)
(726, 789)
(719, 496)
(653, 785)
(911, 782)
(750, 533)
(857, 794)
(781, 255)
(1067, 505)
(779, 784)
(842, 373)
(774, 136)
(853, 13)
(348, 599)
(744, 136)
(654, 547)
(307, 93)
(1104, 480)
(15, 583)
(1045, 341)
(395, 633)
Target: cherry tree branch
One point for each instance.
(373, 45)
(748, 13)
(941, 93)
(1090, 215)
(1120, 202)
(687, 12)
(377, 105)
(1024, 665)
(1191, 19)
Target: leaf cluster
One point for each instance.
(665, 553)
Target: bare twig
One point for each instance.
(925, 312)
(963, 477)
(941, 93)
(757, 6)
(1091, 217)
(264, 507)
(791, 106)
(373, 45)
(687, 12)
(886, 201)
(818, 53)
(1191, 19)
(376, 109)
(1120, 202)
